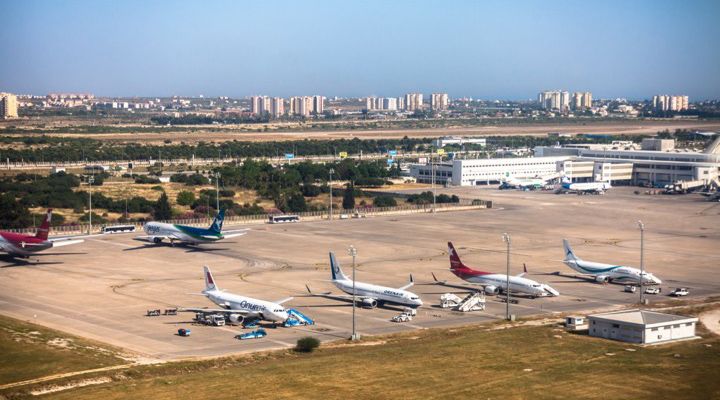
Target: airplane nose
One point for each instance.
(551, 290)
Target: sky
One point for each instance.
(481, 49)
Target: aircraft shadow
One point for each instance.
(17, 262)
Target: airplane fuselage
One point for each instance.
(23, 245)
(181, 233)
(379, 293)
(618, 273)
(517, 284)
(265, 310)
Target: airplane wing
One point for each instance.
(214, 310)
(151, 238)
(412, 282)
(285, 300)
(66, 242)
(343, 297)
(232, 235)
(458, 286)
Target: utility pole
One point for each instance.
(353, 252)
(331, 204)
(432, 169)
(91, 180)
(642, 258)
(506, 239)
(217, 191)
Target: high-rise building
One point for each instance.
(555, 100)
(278, 107)
(671, 103)
(390, 104)
(256, 104)
(401, 103)
(413, 101)
(439, 101)
(8, 106)
(581, 101)
(319, 104)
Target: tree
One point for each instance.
(162, 210)
(349, 197)
(296, 203)
(13, 214)
(384, 201)
(307, 344)
(185, 198)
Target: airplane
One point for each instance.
(157, 232)
(522, 183)
(369, 295)
(584, 187)
(16, 244)
(495, 283)
(240, 308)
(605, 273)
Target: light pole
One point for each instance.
(353, 252)
(642, 257)
(217, 192)
(432, 169)
(331, 172)
(91, 180)
(506, 239)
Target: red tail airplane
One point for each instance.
(16, 244)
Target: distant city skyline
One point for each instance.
(484, 50)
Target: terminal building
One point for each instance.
(656, 163)
(641, 326)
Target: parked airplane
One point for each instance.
(495, 283)
(537, 182)
(157, 232)
(16, 244)
(240, 308)
(584, 187)
(369, 295)
(607, 272)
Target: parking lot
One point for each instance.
(101, 289)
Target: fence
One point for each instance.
(263, 218)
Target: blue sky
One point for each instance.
(483, 49)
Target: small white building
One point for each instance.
(641, 326)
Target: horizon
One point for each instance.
(465, 49)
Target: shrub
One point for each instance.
(185, 198)
(384, 201)
(307, 344)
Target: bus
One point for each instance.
(281, 219)
(118, 228)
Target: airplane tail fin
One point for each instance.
(454, 257)
(44, 229)
(217, 223)
(335, 270)
(569, 255)
(209, 280)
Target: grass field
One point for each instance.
(539, 362)
(29, 351)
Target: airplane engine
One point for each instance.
(490, 290)
(236, 318)
(369, 303)
(602, 279)
(157, 240)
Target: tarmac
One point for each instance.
(102, 288)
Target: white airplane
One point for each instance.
(157, 232)
(495, 283)
(584, 187)
(605, 273)
(240, 308)
(369, 295)
(522, 183)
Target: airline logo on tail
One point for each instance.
(209, 281)
(218, 222)
(44, 229)
(454, 258)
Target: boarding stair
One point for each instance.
(296, 318)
